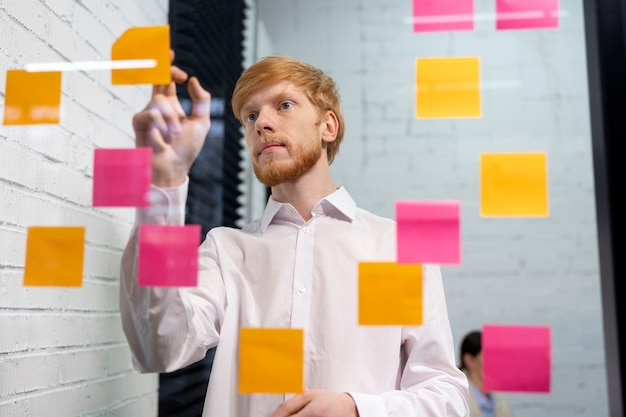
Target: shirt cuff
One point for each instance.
(167, 206)
(369, 405)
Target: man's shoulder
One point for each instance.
(247, 228)
(367, 216)
(374, 224)
(223, 231)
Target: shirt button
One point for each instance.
(301, 289)
(305, 229)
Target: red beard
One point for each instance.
(272, 172)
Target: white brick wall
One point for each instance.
(62, 350)
(514, 271)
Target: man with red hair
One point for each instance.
(294, 267)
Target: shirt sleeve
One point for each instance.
(169, 328)
(431, 384)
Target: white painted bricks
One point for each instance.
(62, 350)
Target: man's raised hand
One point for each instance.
(175, 139)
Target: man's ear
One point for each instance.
(329, 126)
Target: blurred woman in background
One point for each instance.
(481, 403)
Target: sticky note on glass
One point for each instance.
(527, 14)
(32, 98)
(428, 232)
(168, 255)
(54, 256)
(121, 177)
(513, 184)
(390, 294)
(516, 358)
(271, 361)
(438, 15)
(143, 42)
(448, 88)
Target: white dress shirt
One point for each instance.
(281, 271)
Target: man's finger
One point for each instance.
(178, 75)
(168, 113)
(149, 119)
(291, 406)
(200, 99)
(161, 89)
(150, 128)
(178, 108)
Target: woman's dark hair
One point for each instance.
(471, 344)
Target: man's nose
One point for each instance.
(264, 123)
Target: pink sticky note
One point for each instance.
(168, 255)
(121, 177)
(428, 232)
(516, 358)
(438, 15)
(527, 14)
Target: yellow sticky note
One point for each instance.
(271, 361)
(513, 184)
(32, 98)
(390, 294)
(448, 87)
(54, 256)
(143, 42)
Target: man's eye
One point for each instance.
(286, 105)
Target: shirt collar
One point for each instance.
(338, 204)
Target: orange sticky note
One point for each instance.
(54, 256)
(32, 98)
(390, 294)
(271, 361)
(513, 184)
(448, 87)
(143, 42)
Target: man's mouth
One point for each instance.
(268, 146)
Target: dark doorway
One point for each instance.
(207, 37)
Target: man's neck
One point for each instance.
(306, 191)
